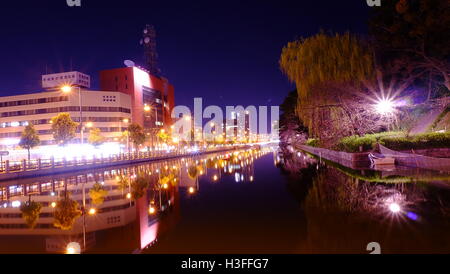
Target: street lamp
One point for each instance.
(394, 207)
(68, 89)
(384, 106)
(73, 248)
(191, 190)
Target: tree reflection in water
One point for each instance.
(344, 213)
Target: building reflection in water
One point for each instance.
(126, 208)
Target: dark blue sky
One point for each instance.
(224, 51)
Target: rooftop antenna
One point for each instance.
(148, 41)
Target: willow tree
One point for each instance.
(341, 59)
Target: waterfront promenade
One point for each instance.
(10, 170)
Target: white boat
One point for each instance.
(416, 160)
(384, 161)
(381, 161)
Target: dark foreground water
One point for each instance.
(254, 201)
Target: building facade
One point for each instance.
(104, 110)
(72, 78)
(129, 94)
(152, 98)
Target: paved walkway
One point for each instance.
(425, 122)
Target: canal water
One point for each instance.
(265, 200)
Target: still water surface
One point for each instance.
(268, 200)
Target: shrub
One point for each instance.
(312, 142)
(352, 143)
(367, 142)
(420, 141)
(395, 141)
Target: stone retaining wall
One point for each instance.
(432, 152)
(351, 160)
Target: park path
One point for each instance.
(426, 121)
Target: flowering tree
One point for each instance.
(412, 36)
(292, 130)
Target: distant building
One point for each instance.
(152, 98)
(237, 127)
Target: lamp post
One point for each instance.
(84, 217)
(68, 89)
(126, 121)
(91, 211)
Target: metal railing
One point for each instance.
(10, 166)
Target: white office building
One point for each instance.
(107, 111)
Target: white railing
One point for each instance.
(9, 166)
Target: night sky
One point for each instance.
(224, 51)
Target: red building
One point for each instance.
(152, 98)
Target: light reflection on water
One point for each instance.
(128, 201)
(405, 210)
(252, 201)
